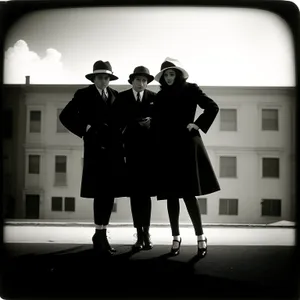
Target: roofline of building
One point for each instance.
(71, 88)
(157, 85)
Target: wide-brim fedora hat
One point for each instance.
(101, 67)
(141, 71)
(171, 63)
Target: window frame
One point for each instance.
(228, 207)
(236, 120)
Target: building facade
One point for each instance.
(251, 146)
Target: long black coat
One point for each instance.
(183, 167)
(138, 142)
(103, 165)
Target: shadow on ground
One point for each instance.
(225, 272)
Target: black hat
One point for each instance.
(142, 71)
(101, 67)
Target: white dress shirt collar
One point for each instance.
(135, 94)
(100, 91)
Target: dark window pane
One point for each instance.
(35, 121)
(228, 119)
(35, 115)
(227, 166)
(228, 206)
(271, 167)
(60, 164)
(270, 119)
(233, 207)
(271, 207)
(56, 203)
(69, 204)
(34, 164)
(223, 207)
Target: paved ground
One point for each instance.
(256, 263)
(74, 270)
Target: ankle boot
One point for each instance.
(146, 236)
(99, 242)
(140, 240)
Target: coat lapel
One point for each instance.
(111, 96)
(145, 96)
(96, 94)
(129, 98)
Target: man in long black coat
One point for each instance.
(88, 115)
(133, 111)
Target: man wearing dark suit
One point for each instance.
(88, 115)
(133, 114)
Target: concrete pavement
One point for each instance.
(70, 270)
(57, 260)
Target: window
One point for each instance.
(270, 119)
(228, 166)
(271, 207)
(114, 209)
(203, 205)
(59, 126)
(57, 203)
(228, 207)
(69, 204)
(60, 170)
(228, 119)
(34, 164)
(35, 121)
(270, 167)
(63, 204)
(8, 124)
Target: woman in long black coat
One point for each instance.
(183, 168)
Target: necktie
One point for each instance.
(138, 98)
(105, 98)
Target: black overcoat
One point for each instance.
(103, 164)
(137, 139)
(183, 167)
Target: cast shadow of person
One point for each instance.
(83, 272)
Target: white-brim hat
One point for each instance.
(171, 63)
(101, 67)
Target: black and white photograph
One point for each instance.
(150, 150)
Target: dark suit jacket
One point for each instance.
(103, 157)
(130, 117)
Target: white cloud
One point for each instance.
(19, 61)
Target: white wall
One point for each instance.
(249, 144)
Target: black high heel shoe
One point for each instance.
(175, 251)
(202, 251)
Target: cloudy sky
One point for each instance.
(238, 47)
